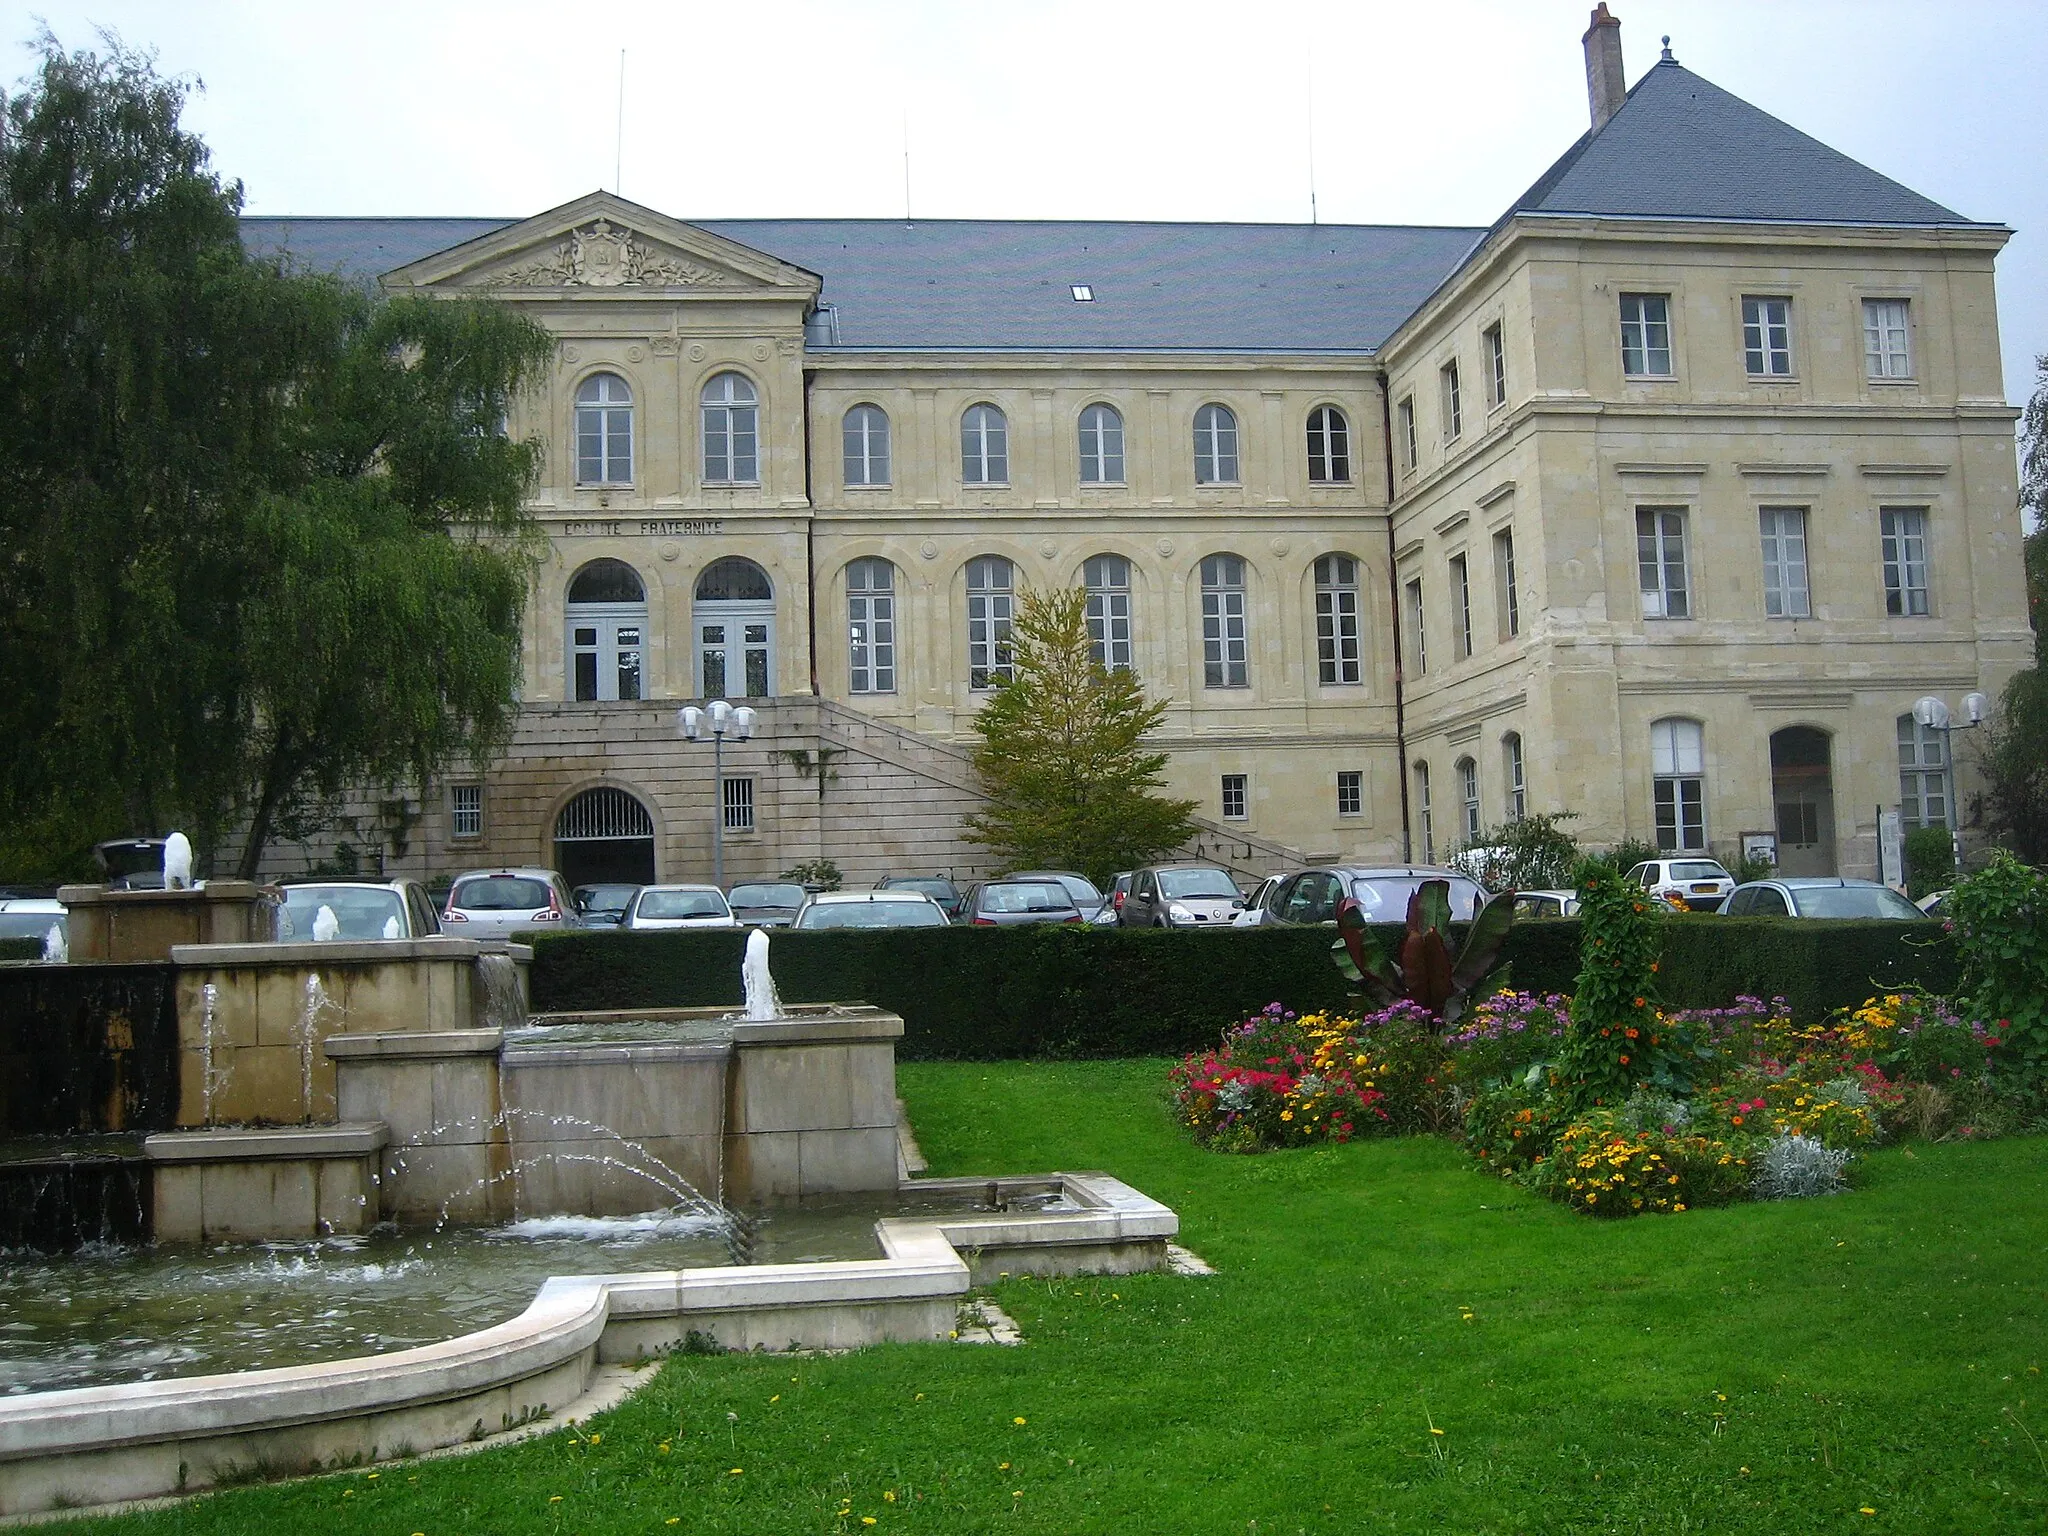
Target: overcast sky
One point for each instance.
(1419, 113)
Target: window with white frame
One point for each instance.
(1678, 763)
(991, 598)
(1923, 774)
(1784, 549)
(1507, 602)
(1107, 579)
(1405, 415)
(465, 810)
(1102, 446)
(732, 431)
(1887, 350)
(1646, 335)
(1461, 606)
(1424, 821)
(1226, 649)
(1468, 791)
(984, 446)
(1767, 337)
(1903, 533)
(1496, 366)
(1453, 401)
(1337, 648)
(1234, 796)
(871, 624)
(604, 431)
(1660, 562)
(1417, 643)
(1350, 792)
(864, 436)
(1518, 786)
(1329, 446)
(1215, 446)
(606, 614)
(737, 797)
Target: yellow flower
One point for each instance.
(1016, 1421)
(594, 1440)
(889, 1495)
(1285, 1114)
(867, 1519)
(736, 1471)
(554, 1498)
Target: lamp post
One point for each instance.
(718, 720)
(1933, 714)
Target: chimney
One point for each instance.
(1605, 87)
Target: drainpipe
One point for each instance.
(810, 539)
(1394, 608)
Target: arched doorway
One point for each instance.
(734, 618)
(1803, 791)
(605, 836)
(607, 617)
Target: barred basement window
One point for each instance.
(737, 796)
(466, 810)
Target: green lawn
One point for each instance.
(1869, 1363)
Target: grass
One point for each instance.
(1394, 1343)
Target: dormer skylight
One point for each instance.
(1084, 293)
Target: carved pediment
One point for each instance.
(604, 254)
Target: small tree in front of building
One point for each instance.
(2016, 745)
(1063, 756)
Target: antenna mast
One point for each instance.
(619, 139)
(906, 165)
(1312, 141)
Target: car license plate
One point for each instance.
(1705, 890)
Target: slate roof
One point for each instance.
(990, 285)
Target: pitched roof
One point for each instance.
(992, 285)
(1680, 147)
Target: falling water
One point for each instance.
(317, 1003)
(209, 1004)
(504, 1003)
(55, 950)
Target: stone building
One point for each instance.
(1660, 500)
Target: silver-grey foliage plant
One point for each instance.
(1795, 1167)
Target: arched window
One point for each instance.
(1468, 793)
(732, 431)
(1678, 763)
(1518, 784)
(991, 592)
(1329, 446)
(734, 617)
(865, 438)
(984, 446)
(1215, 446)
(1337, 656)
(607, 632)
(1108, 580)
(604, 431)
(1923, 775)
(1226, 647)
(1424, 825)
(871, 624)
(1102, 446)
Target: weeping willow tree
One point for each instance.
(261, 535)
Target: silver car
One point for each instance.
(679, 906)
(1382, 892)
(832, 910)
(508, 903)
(1820, 896)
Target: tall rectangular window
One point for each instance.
(1923, 775)
(1678, 763)
(1454, 403)
(1416, 643)
(1496, 366)
(1887, 352)
(1660, 563)
(1461, 606)
(1108, 582)
(1424, 821)
(871, 624)
(1646, 335)
(1350, 792)
(1468, 797)
(737, 797)
(1234, 797)
(1784, 547)
(1767, 337)
(1518, 786)
(1507, 601)
(1337, 655)
(1405, 415)
(991, 597)
(1904, 535)
(864, 439)
(466, 810)
(1225, 648)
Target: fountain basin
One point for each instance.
(98, 1445)
(296, 1181)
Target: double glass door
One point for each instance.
(735, 650)
(607, 646)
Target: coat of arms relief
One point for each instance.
(607, 255)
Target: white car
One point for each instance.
(893, 908)
(679, 906)
(1255, 904)
(1695, 881)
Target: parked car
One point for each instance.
(1181, 896)
(766, 903)
(1819, 896)
(1080, 887)
(1255, 904)
(938, 887)
(1935, 903)
(1382, 892)
(30, 917)
(363, 909)
(1697, 882)
(1016, 902)
(1541, 904)
(131, 863)
(508, 903)
(604, 906)
(678, 906)
(891, 908)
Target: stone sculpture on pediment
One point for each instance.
(607, 255)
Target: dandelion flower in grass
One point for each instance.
(554, 1498)
(867, 1519)
(1002, 1466)
(736, 1471)
(1866, 1510)
(1434, 1430)
(888, 1495)
(1017, 1421)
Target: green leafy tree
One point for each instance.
(1063, 755)
(264, 537)
(2015, 758)
(1530, 853)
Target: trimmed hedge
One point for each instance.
(21, 949)
(989, 994)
